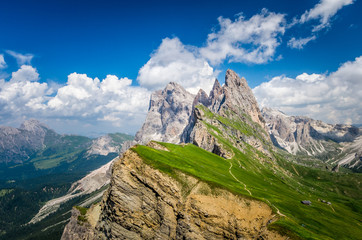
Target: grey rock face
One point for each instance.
(168, 115)
(17, 144)
(103, 146)
(171, 116)
(237, 96)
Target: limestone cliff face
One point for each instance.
(144, 203)
(168, 114)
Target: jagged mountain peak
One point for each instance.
(17, 144)
(174, 86)
(237, 96)
(233, 80)
(33, 125)
(168, 114)
(170, 117)
(201, 98)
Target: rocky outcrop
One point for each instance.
(17, 144)
(144, 203)
(168, 114)
(103, 146)
(303, 135)
(78, 229)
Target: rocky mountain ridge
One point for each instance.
(173, 114)
(338, 144)
(17, 144)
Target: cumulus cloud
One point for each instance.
(21, 59)
(300, 42)
(173, 61)
(83, 102)
(2, 62)
(334, 98)
(251, 40)
(324, 11)
(22, 93)
(25, 73)
(109, 99)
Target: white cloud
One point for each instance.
(25, 73)
(112, 100)
(22, 93)
(110, 105)
(251, 40)
(332, 98)
(109, 99)
(21, 59)
(300, 42)
(2, 62)
(324, 11)
(175, 62)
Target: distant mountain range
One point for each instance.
(34, 149)
(338, 144)
(38, 165)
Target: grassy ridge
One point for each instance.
(279, 183)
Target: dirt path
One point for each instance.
(295, 170)
(246, 189)
(278, 212)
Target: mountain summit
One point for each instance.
(168, 115)
(17, 144)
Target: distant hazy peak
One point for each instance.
(32, 125)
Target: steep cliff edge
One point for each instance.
(145, 203)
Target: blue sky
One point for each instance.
(145, 43)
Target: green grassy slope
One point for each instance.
(281, 189)
(280, 183)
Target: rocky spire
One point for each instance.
(168, 114)
(201, 98)
(237, 96)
